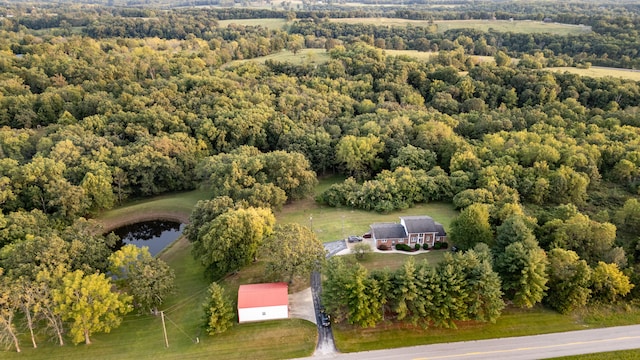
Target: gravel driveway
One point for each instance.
(301, 306)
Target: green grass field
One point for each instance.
(598, 72)
(331, 224)
(304, 56)
(320, 56)
(518, 26)
(392, 261)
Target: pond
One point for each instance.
(155, 234)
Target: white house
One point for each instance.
(258, 302)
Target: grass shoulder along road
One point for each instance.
(513, 322)
(617, 355)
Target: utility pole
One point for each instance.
(164, 329)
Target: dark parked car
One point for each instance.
(353, 238)
(367, 236)
(325, 319)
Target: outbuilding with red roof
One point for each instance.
(257, 302)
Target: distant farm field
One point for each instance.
(598, 72)
(320, 56)
(518, 26)
(311, 56)
(272, 24)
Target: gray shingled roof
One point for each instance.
(388, 231)
(440, 228)
(420, 224)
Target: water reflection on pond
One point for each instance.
(155, 234)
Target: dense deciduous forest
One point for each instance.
(101, 105)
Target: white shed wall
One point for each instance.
(263, 313)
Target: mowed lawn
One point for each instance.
(517, 26)
(331, 224)
(394, 260)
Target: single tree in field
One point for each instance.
(27, 295)
(217, 310)
(46, 282)
(293, 250)
(609, 283)
(569, 280)
(149, 280)
(89, 304)
(295, 43)
(471, 227)
(204, 212)
(361, 250)
(231, 240)
(8, 309)
(502, 59)
(523, 269)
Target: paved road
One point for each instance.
(326, 345)
(516, 348)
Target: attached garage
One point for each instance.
(257, 302)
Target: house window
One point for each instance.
(383, 241)
(264, 313)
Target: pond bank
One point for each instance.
(127, 218)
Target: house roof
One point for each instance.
(259, 295)
(388, 231)
(422, 224)
(440, 229)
